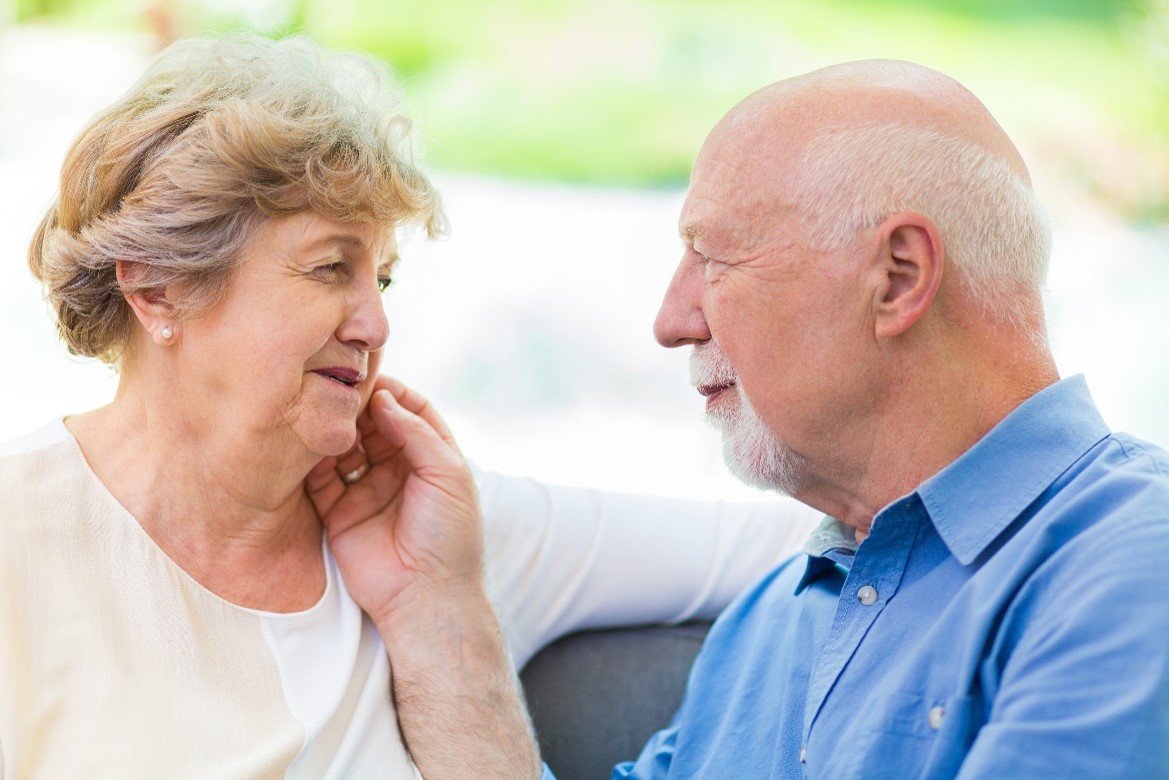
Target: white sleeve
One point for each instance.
(563, 559)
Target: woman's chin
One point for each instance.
(332, 440)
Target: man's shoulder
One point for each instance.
(1104, 524)
(1138, 457)
(1122, 485)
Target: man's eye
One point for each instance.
(384, 282)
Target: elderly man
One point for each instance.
(861, 289)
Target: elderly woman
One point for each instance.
(209, 576)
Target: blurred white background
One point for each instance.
(530, 326)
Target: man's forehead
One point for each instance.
(736, 204)
(699, 219)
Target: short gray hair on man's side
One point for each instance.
(994, 231)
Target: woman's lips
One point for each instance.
(350, 377)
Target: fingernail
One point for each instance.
(385, 398)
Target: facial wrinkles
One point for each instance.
(731, 212)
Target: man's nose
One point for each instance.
(680, 319)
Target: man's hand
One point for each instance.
(403, 520)
(408, 522)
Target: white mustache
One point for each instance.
(709, 366)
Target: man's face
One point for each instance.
(777, 328)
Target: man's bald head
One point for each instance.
(849, 145)
(874, 92)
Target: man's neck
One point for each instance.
(931, 419)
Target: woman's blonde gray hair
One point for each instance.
(994, 231)
(217, 136)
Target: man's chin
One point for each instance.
(754, 471)
(756, 458)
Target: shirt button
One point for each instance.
(867, 595)
(803, 754)
(936, 716)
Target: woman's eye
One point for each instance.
(383, 283)
(330, 270)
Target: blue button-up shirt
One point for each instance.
(1008, 619)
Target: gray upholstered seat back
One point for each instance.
(597, 696)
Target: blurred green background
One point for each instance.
(530, 326)
(622, 92)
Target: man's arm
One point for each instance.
(458, 700)
(1085, 689)
(408, 538)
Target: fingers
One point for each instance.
(324, 486)
(353, 465)
(397, 422)
(417, 404)
(406, 431)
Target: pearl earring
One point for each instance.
(166, 332)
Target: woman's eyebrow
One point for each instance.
(339, 239)
(389, 262)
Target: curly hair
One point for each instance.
(218, 136)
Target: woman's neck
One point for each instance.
(229, 511)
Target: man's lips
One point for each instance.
(709, 390)
(350, 377)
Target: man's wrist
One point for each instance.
(450, 666)
(431, 609)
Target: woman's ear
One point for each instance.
(150, 305)
(907, 272)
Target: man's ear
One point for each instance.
(907, 272)
(150, 305)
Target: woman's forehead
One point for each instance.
(310, 231)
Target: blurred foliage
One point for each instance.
(624, 92)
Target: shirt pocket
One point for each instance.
(905, 735)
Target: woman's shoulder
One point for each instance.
(37, 470)
(45, 436)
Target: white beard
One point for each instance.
(752, 451)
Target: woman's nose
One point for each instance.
(366, 326)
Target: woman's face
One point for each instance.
(292, 350)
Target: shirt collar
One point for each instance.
(972, 500)
(830, 534)
(829, 543)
